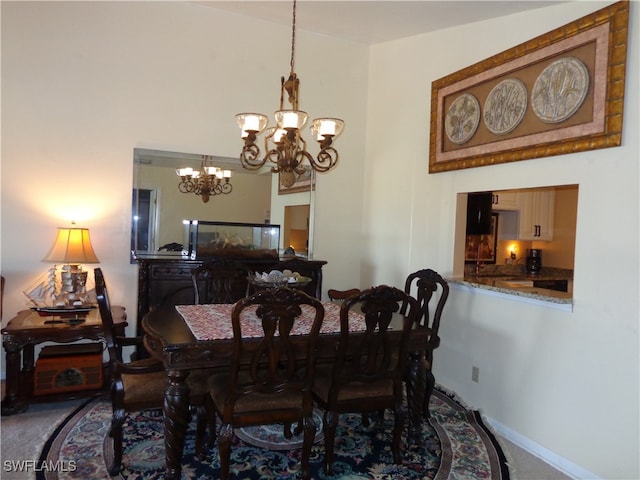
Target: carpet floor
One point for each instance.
(455, 444)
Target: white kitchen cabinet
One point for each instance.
(504, 201)
(536, 215)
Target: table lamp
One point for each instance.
(72, 247)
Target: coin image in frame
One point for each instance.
(463, 118)
(560, 89)
(505, 106)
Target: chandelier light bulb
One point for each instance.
(322, 127)
(291, 119)
(278, 134)
(184, 172)
(327, 128)
(251, 122)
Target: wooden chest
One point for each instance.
(68, 368)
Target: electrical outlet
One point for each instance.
(475, 374)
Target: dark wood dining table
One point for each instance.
(192, 337)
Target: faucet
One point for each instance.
(479, 264)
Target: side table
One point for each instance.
(28, 329)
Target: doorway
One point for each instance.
(296, 229)
(143, 224)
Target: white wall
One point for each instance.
(567, 382)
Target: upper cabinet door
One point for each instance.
(536, 215)
(479, 213)
(504, 201)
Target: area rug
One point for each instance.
(455, 444)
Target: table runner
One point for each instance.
(213, 321)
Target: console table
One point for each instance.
(28, 329)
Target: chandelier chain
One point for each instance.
(293, 38)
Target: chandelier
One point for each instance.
(283, 144)
(207, 182)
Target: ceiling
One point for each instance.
(371, 22)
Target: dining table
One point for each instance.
(194, 337)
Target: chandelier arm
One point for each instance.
(275, 157)
(300, 157)
(185, 186)
(225, 188)
(250, 157)
(326, 160)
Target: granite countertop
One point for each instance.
(513, 280)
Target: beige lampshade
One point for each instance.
(72, 246)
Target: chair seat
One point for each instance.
(255, 402)
(352, 391)
(144, 391)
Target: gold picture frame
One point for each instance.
(304, 182)
(514, 106)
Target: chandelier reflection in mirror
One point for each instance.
(283, 144)
(206, 182)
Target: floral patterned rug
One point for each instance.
(455, 445)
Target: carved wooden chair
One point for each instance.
(140, 384)
(267, 383)
(367, 373)
(342, 294)
(431, 292)
(220, 280)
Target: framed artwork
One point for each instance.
(483, 246)
(304, 182)
(561, 92)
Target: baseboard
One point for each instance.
(556, 461)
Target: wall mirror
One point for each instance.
(159, 209)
